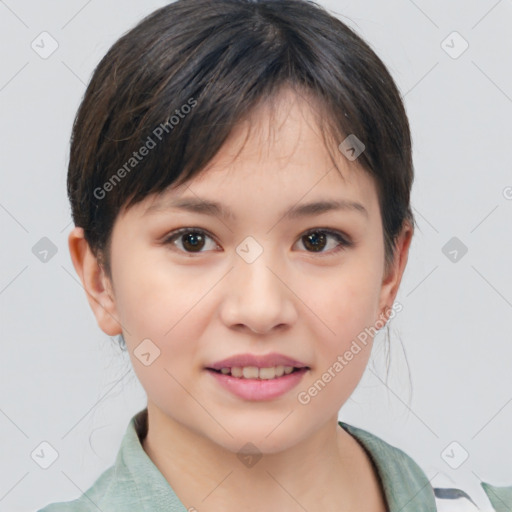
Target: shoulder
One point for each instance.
(405, 485)
(89, 501)
(404, 482)
(132, 483)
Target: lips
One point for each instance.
(251, 389)
(259, 361)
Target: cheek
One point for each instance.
(345, 305)
(154, 296)
(162, 308)
(343, 350)
(166, 303)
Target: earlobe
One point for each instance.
(391, 281)
(95, 283)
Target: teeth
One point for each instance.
(250, 372)
(253, 372)
(236, 371)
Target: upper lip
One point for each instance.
(260, 361)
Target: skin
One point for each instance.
(200, 307)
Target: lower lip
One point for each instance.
(259, 389)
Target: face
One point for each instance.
(253, 281)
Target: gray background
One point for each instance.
(64, 381)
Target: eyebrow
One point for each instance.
(207, 207)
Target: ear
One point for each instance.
(391, 281)
(95, 282)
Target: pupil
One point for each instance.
(193, 240)
(317, 241)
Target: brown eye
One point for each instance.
(190, 240)
(317, 240)
(193, 241)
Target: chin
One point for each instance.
(258, 438)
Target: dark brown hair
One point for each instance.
(187, 74)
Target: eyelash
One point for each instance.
(343, 242)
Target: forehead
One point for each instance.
(275, 157)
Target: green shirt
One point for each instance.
(134, 484)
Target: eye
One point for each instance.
(191, 240)
(317, 240)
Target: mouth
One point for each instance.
(252, 383)
(255, 373)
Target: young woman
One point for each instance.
(240, 177)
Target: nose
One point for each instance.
(257, 297)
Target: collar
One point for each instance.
(405, 485)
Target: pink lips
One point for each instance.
(258, 389)
(264, 361)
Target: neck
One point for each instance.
(324, 470)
